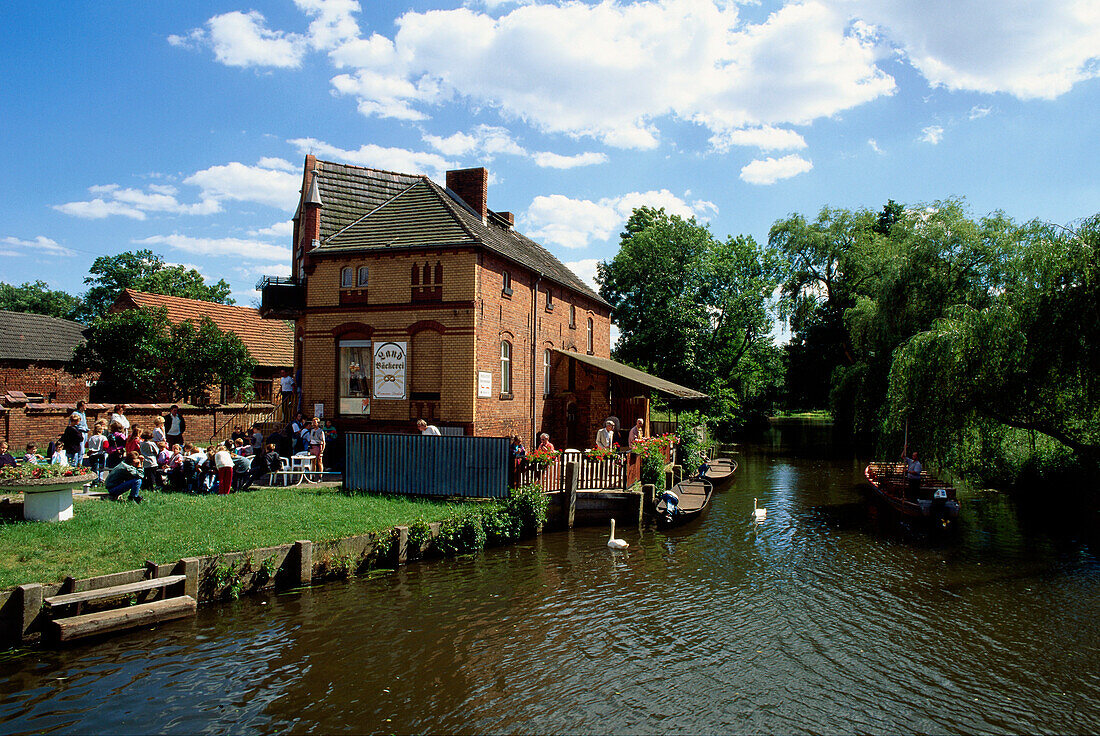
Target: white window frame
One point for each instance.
(505, 367)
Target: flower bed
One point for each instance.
(30, 477)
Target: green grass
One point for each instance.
(812, 414)
(105, 537)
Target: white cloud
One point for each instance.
(548, 160)
(1020, 47)
(281, 164)
(97, 209)
(251, 250)
(264, 269)
(874, 145)
(41, 245)
(979, 111)
(585, 270)
(766, 138)
(610, 70)
(243, 39)
(574, 223)
(283, 229)
(932, 134)
(487, 140)
(378, 157)
(770, 170)
(334, 21)
(240, 182)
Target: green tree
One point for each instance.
(38, 298)
(694, 309)
(146, 271)
(140, 356)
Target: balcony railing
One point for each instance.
(282, 297)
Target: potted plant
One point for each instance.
(33, 477)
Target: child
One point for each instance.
(32, 455)
(115, 445)
(95, 448)
(149, 452)
(5, 456)
(223, 462)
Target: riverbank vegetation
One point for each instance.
(105, 537)
(977, 337)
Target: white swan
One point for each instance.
(758, 513)
(615, 543)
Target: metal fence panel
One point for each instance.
(418, 465)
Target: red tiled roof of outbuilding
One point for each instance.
(269, 341)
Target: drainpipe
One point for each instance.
(534, 347)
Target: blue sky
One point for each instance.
(181, 126)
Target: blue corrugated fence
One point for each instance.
(412, 464)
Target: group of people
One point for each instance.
(126, 458)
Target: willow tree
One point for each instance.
(1027, 360)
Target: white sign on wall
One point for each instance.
(484, 384)
(318, 410)
(390, 360)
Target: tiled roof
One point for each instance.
(368, 208)
(26, 336)
(269, 341)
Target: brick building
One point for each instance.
(412, 300)
(269, 342)
(34, 350)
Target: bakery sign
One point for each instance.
(390, 361)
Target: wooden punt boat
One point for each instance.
(690, 500)
(935, 500)
(720, 470)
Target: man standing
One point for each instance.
(427, 430)
(605, 438)
(637, 432)
(82, 425)
(174, 426)
(912, 473)
(286, 389)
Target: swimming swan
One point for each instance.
(615, 543)
(758, 513)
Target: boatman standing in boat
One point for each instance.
(912, 472)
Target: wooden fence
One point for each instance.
(617, 473)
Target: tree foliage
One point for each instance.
(146, 271)
(38, 298)
(141, 356)
(694, 309)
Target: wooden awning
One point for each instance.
(622, 370)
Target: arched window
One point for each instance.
(590, 335)
(546, 373)
(438, 273)
(416, 275)
(346, 275)
(427, 274)
(364, 273)
(505, 367)
(572, 315)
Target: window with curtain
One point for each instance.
(364, 274)
(346, 276)
(505, 367)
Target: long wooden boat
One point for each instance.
(687, 502)
(935, 501)
(720, 470)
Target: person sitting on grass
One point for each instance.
(5, 456)
(126, 476)
(32, 455)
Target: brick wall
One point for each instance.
(49, 380)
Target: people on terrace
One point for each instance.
(605, 438)
(428, 430)
(637, 432)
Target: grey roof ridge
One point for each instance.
(356, 222)
(369, 168)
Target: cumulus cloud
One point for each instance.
(1023, 48)
(283, 229)
(574, 223)
(252, 250)
(41, 245)
(766, 138)
(770, 170)
(136, 203)
(378, 157)
(548, 160)
(237, 181)
(486, 140)
(932, 134)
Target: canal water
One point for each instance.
(828, 617)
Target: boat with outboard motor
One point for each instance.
(932, 500)
(684, 502)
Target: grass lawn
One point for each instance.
(104, 537)
(812, 414)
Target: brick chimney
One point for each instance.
(471, 185)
